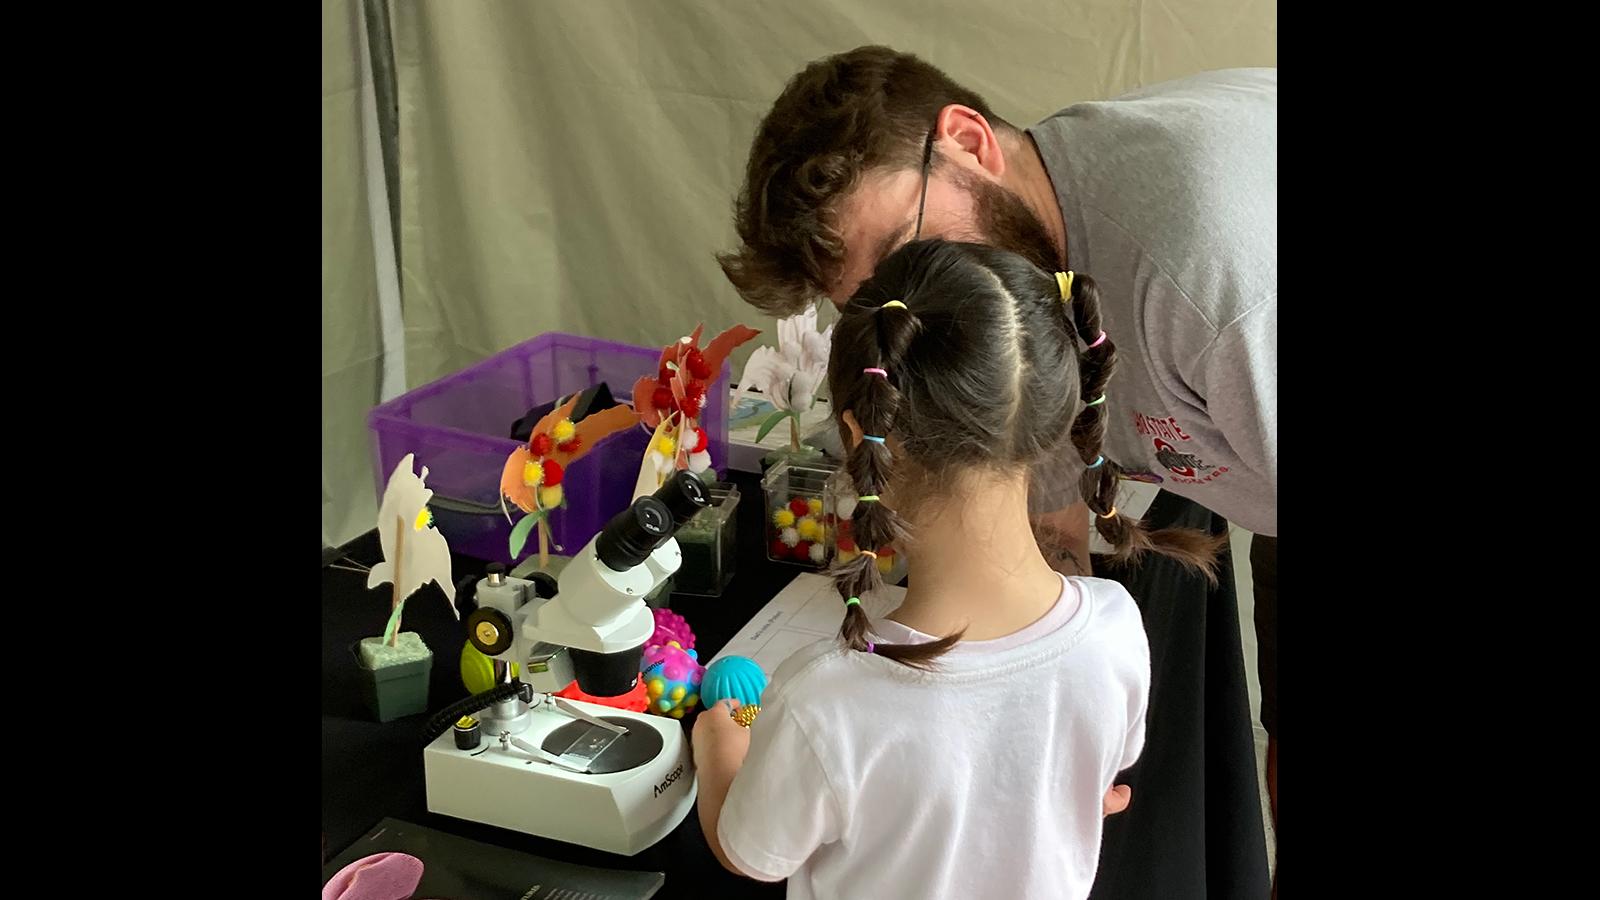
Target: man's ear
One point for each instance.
(964, 136)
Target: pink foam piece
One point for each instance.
(381, 876)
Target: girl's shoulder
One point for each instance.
(1108, 598)
(808, 671)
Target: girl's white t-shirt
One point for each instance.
(982, 779)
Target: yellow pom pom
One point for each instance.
(678, 692)
(666, 445)
(810, 529)
(676, 713)
(690, 701)
(564, 431)
(783, 518)
(885, 564)
(656, 687)
(424, 519)
(815, 506)
(847, 555)
(550, 497)
(532, 473)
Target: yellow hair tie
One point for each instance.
(1064, 280)
(894, 303)
(1109, 514)
(869, 553)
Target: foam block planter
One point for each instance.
(394, 680)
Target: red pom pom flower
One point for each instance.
(553, 473)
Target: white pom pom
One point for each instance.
(847, 507)
(699, 462)
(790, 537)
(819, 552)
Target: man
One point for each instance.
(1167, 197)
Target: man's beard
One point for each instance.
(1006, 222)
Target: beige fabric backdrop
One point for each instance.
(571, 164)
(352, 347)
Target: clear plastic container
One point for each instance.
(710, 542)
(798, 510)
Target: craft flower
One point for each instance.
(534, 472)
(790, 376)
(408, 538)
(678, 395)
(685, 375)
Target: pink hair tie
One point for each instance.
(871, 646)
(1098, 341)
(876, 372)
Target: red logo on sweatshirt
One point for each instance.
(1166, 437)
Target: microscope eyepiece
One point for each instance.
(631, 535)
(685, 495)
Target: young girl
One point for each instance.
(962, 746)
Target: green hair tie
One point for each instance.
(870, 498)
(853, 601)
(1097, 402)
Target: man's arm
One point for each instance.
(1063, 537)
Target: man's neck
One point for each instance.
(1027, 176)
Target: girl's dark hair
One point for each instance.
(987, 369)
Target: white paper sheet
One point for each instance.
(809, 609)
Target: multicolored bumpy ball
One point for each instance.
(672, 678)
(670, 669)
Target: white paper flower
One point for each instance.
(424, 555)
(790, 376)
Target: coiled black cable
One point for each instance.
(446, 717)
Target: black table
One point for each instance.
(372, 770)
(1194, 829)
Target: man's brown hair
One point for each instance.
(841, 117)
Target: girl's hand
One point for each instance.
(720, 742)
(1116, 800)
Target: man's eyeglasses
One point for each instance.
(895, 239)
(927, 160)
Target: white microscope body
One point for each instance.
(573, 771)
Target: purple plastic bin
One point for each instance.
(458, 426)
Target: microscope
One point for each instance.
(569, 770)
